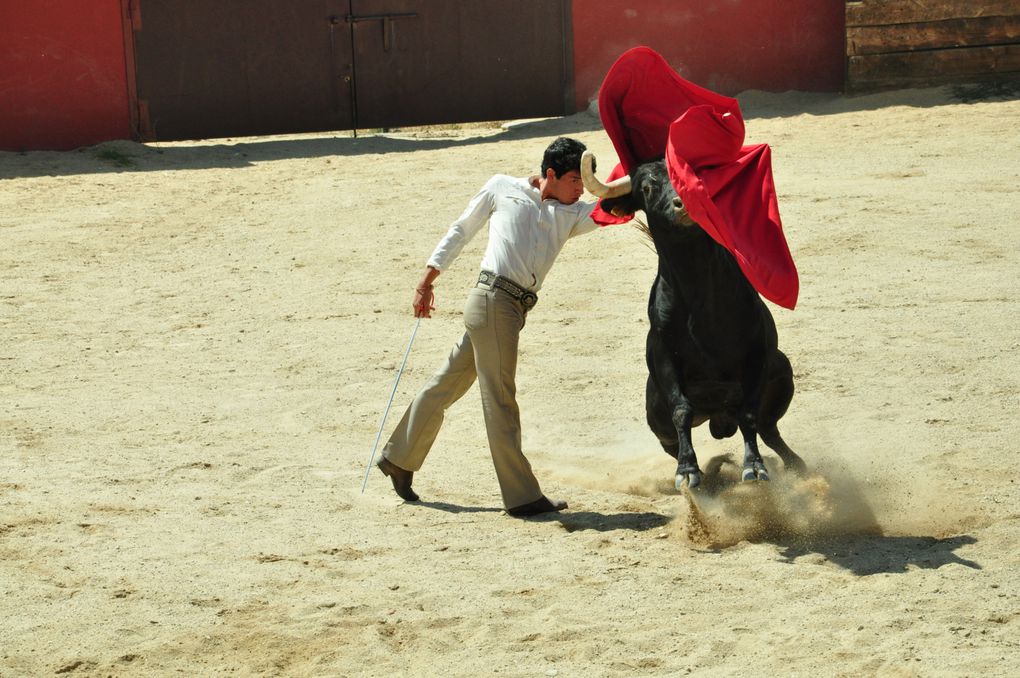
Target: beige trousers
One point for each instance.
(488, 352)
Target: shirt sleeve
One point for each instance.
(585, 224)
(464, 228)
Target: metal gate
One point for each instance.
(246, 67)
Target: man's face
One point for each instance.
(567, 188)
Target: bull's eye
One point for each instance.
(646, 191)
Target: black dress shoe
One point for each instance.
(401, 479)
(540, 505)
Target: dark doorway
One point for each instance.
(246, 67)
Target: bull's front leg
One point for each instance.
(754, 465)
(686, 460)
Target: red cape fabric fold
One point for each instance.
(650, 112)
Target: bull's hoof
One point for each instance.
(755, 471)
(689, 476)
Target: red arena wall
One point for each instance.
(724, 45)
(63, 78)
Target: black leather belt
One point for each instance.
(527, 298)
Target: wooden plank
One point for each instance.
(885, 12)
(932, 35)
(1011, 80)
(935, 67)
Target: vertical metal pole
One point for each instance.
(354, 70)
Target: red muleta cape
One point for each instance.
(650, 112)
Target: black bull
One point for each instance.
(712, 348)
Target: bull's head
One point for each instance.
(648, 188)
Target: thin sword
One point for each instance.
(386, 412)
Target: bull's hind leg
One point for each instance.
(791, 460)
(775, 400)
(754, 465)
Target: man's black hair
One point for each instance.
(563, 155)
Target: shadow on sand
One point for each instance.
(809, 517)
(456, 508)
(607, 522)
(805, 515)
(867, 555)
(129, 156)
(759, 104)
(570, 521)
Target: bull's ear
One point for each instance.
(623, 206)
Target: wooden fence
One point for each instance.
(916, 43)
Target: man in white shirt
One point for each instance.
(529, 222)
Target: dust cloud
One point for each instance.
(826, 502)
(835, 498)
(727, 511)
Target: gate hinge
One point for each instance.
(144, 131)
(134, 14)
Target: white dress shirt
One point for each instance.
(526, 233)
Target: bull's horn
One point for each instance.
(614, 189)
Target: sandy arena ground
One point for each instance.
(197, 341)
